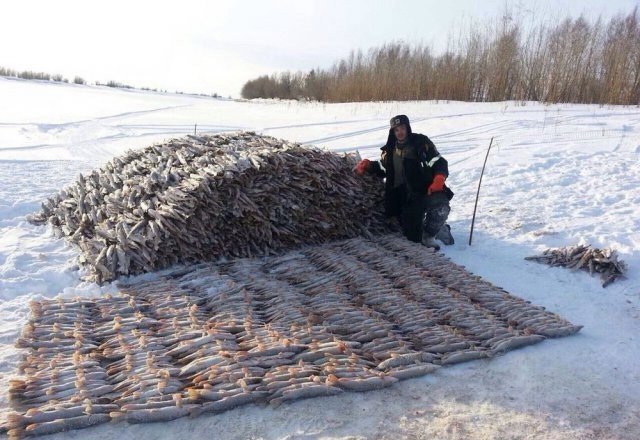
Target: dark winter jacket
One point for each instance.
(421, 161)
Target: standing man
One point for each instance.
(415, 181)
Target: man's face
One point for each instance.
(401, 132)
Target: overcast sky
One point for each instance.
(215, 46)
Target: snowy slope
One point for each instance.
(558, 175)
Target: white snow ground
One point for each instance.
(558, 175)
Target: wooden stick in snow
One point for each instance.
(473, 219)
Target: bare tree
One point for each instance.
(570, 60)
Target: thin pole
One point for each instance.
(195, 127)
(473, 220)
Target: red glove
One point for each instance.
(437, 184)
(362, 167)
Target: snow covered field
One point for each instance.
(558, 175)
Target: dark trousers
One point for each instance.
(418, 213)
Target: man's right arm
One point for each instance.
(375, 167)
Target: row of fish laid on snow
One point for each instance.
(601, 261)
(203, 197)
(355, 315)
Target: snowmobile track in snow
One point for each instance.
(353, 315)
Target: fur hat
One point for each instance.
(393, 123)
(399, 120)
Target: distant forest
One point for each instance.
(44, 76)
(567, 60)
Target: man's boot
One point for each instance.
(430, 242)
(444, 235)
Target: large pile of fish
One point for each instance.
(354, 315)
(199, 198)
(602, 261)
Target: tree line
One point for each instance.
(570, 60)
(31, 75)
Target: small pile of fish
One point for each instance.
(602, 261)
(200, 198)
(354, 315)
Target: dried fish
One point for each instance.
(365, 384)
(353, 315)
(58, 425)
(225, 195)
(593, 260)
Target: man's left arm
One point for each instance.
(439, 167)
